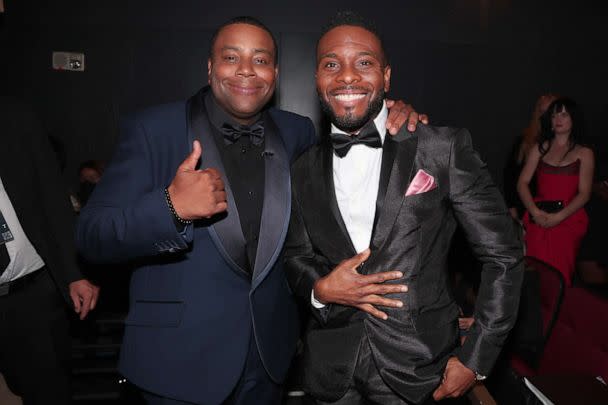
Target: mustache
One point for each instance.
(348, 88)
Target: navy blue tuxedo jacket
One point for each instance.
(193, 308)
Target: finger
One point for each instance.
(379, 278)
(440, 392)
(376, 300)
(383, 289)
(424, 118)
(220, 196)
(213, 173)
(399, 120)
(370, 309)
(86, 305)
(221, 207)
(356, 260)
(190, 162)
(76, 301)
(219, 184)
(412, 121)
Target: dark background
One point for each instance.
(479, 64)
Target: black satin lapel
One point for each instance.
(399, 180)
(328, 196)
(388, 157)
(277, 201)
(225, 229)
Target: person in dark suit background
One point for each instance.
(199, 193)
(38, 267)
(372, 220)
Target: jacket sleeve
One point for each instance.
(480, 210)
(303, 265)
(54, 201)
(127, 216)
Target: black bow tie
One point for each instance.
(233, 132)
(368, 136)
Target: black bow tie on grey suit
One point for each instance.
(233, 132)
(368, 136)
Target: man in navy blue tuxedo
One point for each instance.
(198, 193)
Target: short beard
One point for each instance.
(349, 123)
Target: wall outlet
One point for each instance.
(68, 61)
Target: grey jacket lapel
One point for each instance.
(400, 177)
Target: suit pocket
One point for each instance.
(421, 198)
(155, 313)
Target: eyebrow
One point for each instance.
(238, 48)
(362, 53)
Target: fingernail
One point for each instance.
(399, 304)
(404, 288)
(411, 127)
(385, 317)
(398, 274)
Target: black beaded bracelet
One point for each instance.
(172, 209)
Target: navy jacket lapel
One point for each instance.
(225, 229)
(400, 176)
(277, 201)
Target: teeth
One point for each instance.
(349, 97)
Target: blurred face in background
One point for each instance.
(561, 122)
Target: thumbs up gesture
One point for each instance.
(195, 193)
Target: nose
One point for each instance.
(348, 75)
(245, 68)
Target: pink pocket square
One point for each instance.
(421, 183)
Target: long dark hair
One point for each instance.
(577, 132)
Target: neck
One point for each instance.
(562, 138)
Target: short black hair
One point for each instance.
(245, 19)
(351, 18)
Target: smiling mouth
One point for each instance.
(349, 97)
(244, 90)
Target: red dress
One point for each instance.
(557, 246)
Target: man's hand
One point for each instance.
(465, 323)
(84, 296)
(399, 113)
(197, 194)
(457, 380)
(345, 286)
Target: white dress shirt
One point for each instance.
(356, 182)
(23, 255)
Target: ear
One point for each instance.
(209, 70)
(276, 72)
(387, 78)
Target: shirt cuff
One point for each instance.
(314, 301)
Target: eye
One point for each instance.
(330, 65)
(229, 58)
(365, 63)
(261, 61)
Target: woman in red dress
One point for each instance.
(555, 220)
